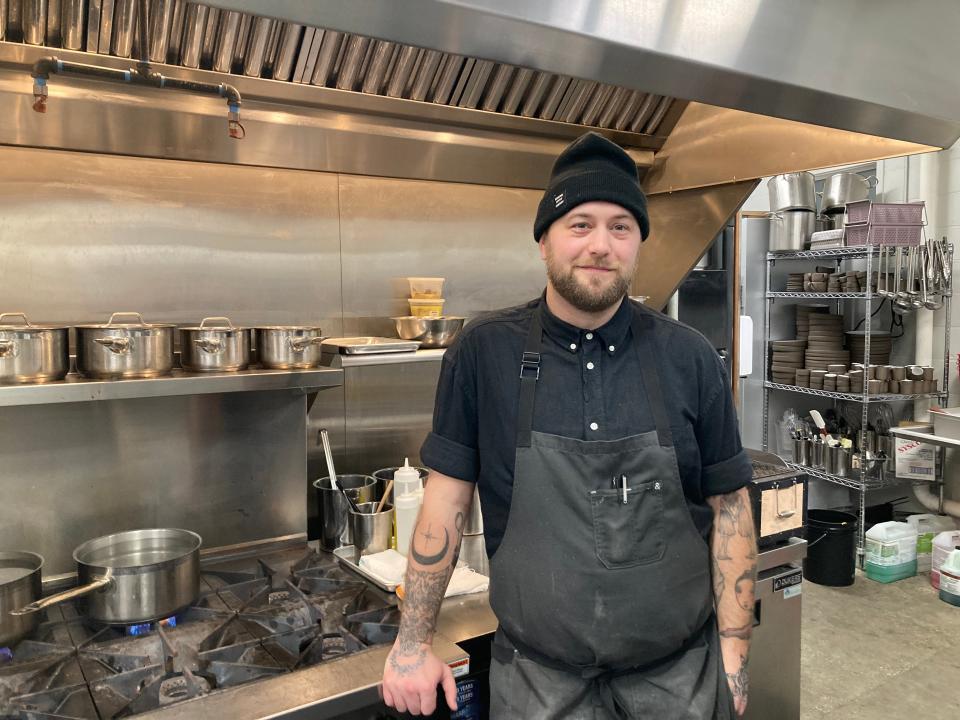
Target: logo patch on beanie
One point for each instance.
(558, 200)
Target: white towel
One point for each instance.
(390, 566)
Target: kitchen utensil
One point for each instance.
(19, 585)
(139, 576)
(842, 188)
(328, 455)
(821, 425)
(386, 492)
(791, 229)
(210, 347)
(792, 191)
(118, 350)
(367, 345)
(32, 353)
(289, 347)
(901, 301)
(333, 507)
(438, 332)
(371, 529)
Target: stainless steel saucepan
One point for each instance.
(118, 350)
(32, 353)
(19, 585)
(132, 577)
(286, 347)
(214, 345)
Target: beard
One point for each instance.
(587, 296)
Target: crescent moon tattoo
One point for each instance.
(427, 560)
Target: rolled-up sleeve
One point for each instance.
(725, 466)
(451, 447)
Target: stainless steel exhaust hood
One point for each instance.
(706, 96)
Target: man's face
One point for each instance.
(591, 255)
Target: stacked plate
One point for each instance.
(825, 342)
(786, 359)
(803, 318)
(880, 345)
(795, 282)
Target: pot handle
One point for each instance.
(137, 315)
(301, 344)
(7, 348)
(22, 316)
(100, 581)
(119, 345)
(209, 345)
(875, 179)
(216, 317)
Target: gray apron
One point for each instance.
(604, 577)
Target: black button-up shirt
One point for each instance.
(589, 388)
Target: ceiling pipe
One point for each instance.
(47, 66)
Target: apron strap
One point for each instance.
(651, 378)
(529, 374)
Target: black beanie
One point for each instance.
(592, 168)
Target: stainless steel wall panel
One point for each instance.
(181, 241)
(229, 467)
(478, 237)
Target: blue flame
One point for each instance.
(6, 655)
(147, 628)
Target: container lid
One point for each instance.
(291, 328)
(952, 563)
(121, 321)
(426, 301)
(218, 322)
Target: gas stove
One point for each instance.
(256, 618)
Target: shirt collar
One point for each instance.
(612, 334)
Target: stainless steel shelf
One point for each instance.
(853, 397)
(77, 389)
(842, 252)
(819, 296)
(927, 437)
(855, 483)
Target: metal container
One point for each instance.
(32, 353)
(431, 332)
(837, 461)
(792, 191)
(124, 350)
(19, 585)
(371, 530)
(133, 577)
(842, 188)
(286, 347)
(214, 348)
(334, 528)
(385, 475)
(791, 229)
(817, 455)
(801, 451)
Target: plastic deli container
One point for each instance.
(424, 288)
(426, 308)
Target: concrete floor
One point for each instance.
(875, 651)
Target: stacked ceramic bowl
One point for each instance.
(803, 318)
(880, 345)
(825, 342)
(785, 360)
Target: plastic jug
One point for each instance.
(928, 526)
(943, 545)
(891, 552)
(950, 578)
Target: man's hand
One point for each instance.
(411, 676)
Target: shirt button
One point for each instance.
(589, 366)
(573, 346)
(594, 426)
(611, 348)
(589, 336)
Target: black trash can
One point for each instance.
(831, 548)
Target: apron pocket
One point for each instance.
(628, 534)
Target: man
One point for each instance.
(612, 480)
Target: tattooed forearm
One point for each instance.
(426, 582)
(743, 632)
(739, 680)
(734, 566)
